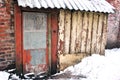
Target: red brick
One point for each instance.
(7, 42)
(114, 25)
(4, 35)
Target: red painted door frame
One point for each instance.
(18, 38)
(53, 32)
(54, 41)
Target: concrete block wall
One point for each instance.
(7, 39)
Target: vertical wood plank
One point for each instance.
(18, 39)
(48, 52)
(89, 39)
(94, 33)
(61, 32)
(104, 35)
(84, 33)
(79, 31)
(73, 32)
(99, 32)
(54, 26)
(67, 30)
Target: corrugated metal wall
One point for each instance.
(81, 33)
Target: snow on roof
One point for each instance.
(86, 5)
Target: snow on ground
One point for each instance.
(95, 67)
(4, 75)
(98, 67)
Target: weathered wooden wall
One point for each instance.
(81, 33)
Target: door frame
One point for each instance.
(52, 35)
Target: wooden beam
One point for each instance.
(99, 33)
(67, 30)
(18, 38)
(84, 32)
(54, 36)
(61, 32)
(79, 32)
(73, 32)
(89, 37)
(94, 33)
(104, 35)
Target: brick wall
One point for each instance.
(113, 36)
(7, 46)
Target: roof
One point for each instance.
(83, 5)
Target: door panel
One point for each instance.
(36, 54)
(26, 24)
(34, 42)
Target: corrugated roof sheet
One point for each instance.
(86, 5)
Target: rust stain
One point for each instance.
(61, 46)
(19, 56)
(26, 57)
(26, 61)
(28, 67)
(43, 67)
(18, 62)
(36, 69)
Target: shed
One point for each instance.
(53, 34)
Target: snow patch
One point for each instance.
(4, 75)
(97, 67)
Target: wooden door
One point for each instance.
(35, 42)
(36, 36)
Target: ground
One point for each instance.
(95, 67)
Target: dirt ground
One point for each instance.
(59, 76)
(66, 75)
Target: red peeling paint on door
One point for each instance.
(31, 57)
(26, 59)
